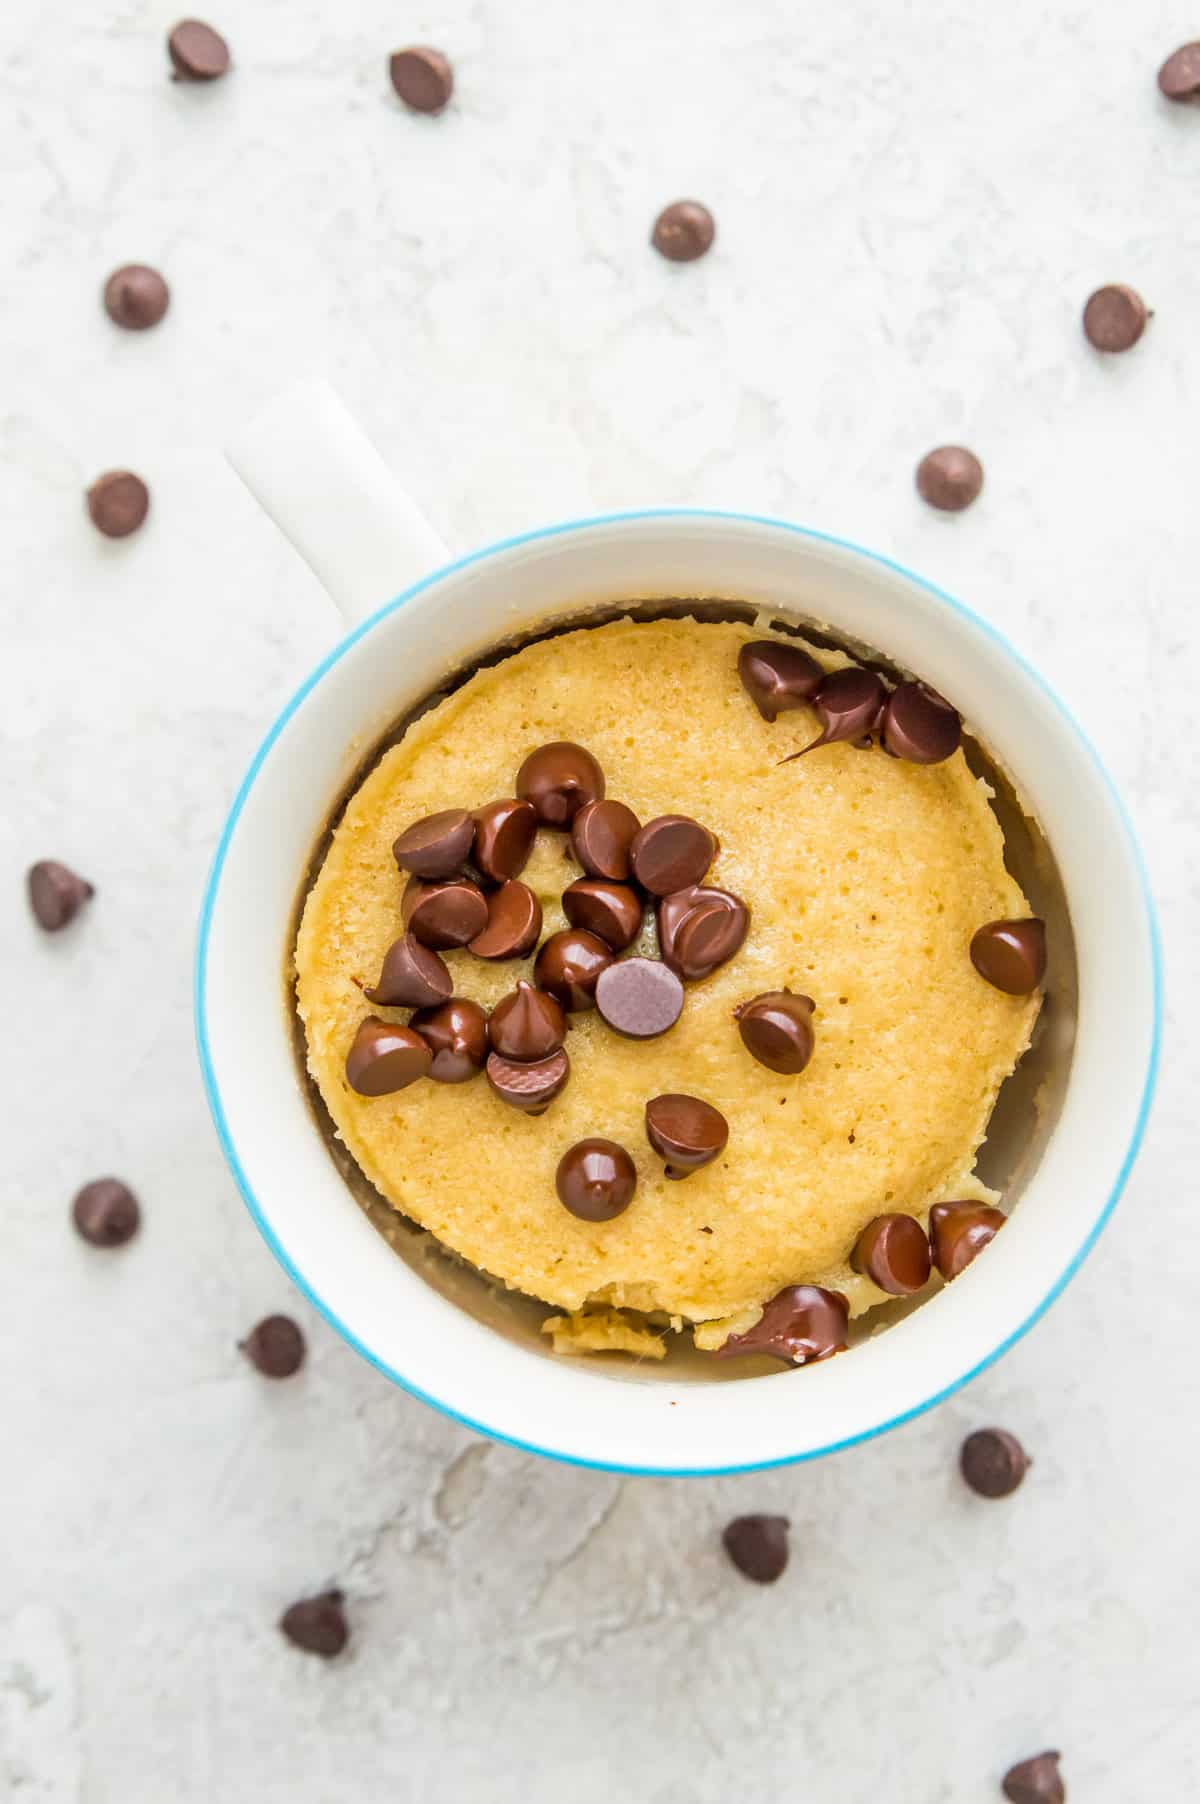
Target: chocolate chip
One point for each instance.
(504, 836)
(612, 911)
(413, 976)
(776, 1029)
(317, 1624)
(385, 1058)
(569, 964)
(758, 1546)
(531, 1087)
(776, 676)
(118, 502)
(683, 231)
(849, 705)
(639, 997)
(106, 1213)
(423, 78)
(514, 920)
(444, 915)
(135, 296)
(601, 835)
(275, 1346)
(56, 893)
(949, 478)
(699, 929)
(560, 779)
(1036, 1781)
(1011, 955)
(993, 1462)
(919, 725)
(436, 845)
(198, 52)
(893, 1251)
(456, 1033)
(596, 1180)
(1179, 77)
(1114, 318)
(802, 1325)
(527, 1025)
(959, 1231)
(686, 1132)
(670, 853)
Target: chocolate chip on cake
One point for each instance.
(670, 853)
(612, 911)
(422, 77)
(560, 779)
(527, 1025)
(437, 845)
(1011, 955)
(1114, 318)
(893, 1251)
(106, 1213)
(596, 1179)
(118, 502)
(950, 478)
(683, 231)
(993, 1462)
(802, 1324)
(1179, 77)
(777, 1030)
(699, 929)
(528, 1085)
(849, 705)
(639, 997)
(758, 1546)
(275, 1346)
(504, 836)
(197, 51)
(385, 1058)
(1035, 1781)
(958, 1232)
(56, 894)
(919, 725)
(514, 920)
(413, 976)
(569, 964)
(685, 1131)
(317, 1624)
(456, 1033)
(444, 915)
(601, 835)
(777, 677)
(136, 297)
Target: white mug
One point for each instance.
(412, 618)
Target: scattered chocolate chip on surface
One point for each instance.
(699, 929)
(612, 911)
(136, 297)
(777, 676)
(569, 964)
(920, 725)
(639, 997)
(893, 1251)
(514, 921)
(1114, 318)
(527, 1025)
(849, 705)
(1011, 955)
(1179, 77)
(56, 893)
(118, 503)
(671, 853)
(444, 915)
(1035, 1781)
(106, 1213)
(993, 1462)
(422, 77)
(456, 1033)
(504, 836)
(317, 1624)
(685, 1131)
(560, 779)
(275, 1346)
(777, 1030)
(684, 231)
(437, 845)
(596, 1179)
(758, 1546)
(960, 1231)
(950, 478)
(601, 835)
(384, 1058)
(197, 52)
(528, 1085)
(803, 1324)
(413, 976)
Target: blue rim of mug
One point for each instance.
(212, 1088)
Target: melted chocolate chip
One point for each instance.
(437, 845)
(758, 1546)
(596, 1180)
(683, 231)
(569, 964)
(275, 1346)
(457, 1036)
(317, 1624)
(56, 894)
(197, 51)
(1179, 77)
(849, 705)
(601, 835)
(612, 911)
(993, 1462)
(422, 77)
(444, 915)
(527, 1025)
(118, 503)
(639, 997)
(413, 976)
(686, 1132)
(777, 676)
(504, 836)
(949, 478)
(671, 853)
(106, 1213)
(960, 1231)
(893, 1251)
(1036, 1781)
(802, 1324)
(530, 1087)
(1114, 318)
(1011, 955)
(919, 725)
(385, 1058)
(559, 779)
(136, 297)
(776, 1029)
(514, 920)
(699, 929)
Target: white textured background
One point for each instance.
(913, 201)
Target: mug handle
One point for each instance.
(310, 466)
